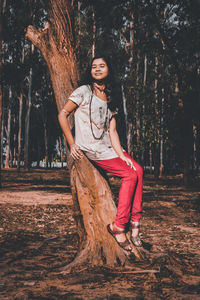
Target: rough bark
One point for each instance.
(94, 207)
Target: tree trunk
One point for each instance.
(93, 31)
(46, 143)
(27, 120)
(156, 125)
(197, 145)
(19, 131)
(2, 136)
(150, 160)
(91, 194)
(20, 121)
(61, 150)
(2, 11)
(7, 166)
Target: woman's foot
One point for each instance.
(120, 236)
(135, 238)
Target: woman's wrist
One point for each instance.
(121, 155)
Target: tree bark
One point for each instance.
(2, 136)
(19, 131)
(27, 120)
(2, 11)
(7, 165)
(94, 207)
(20, 121)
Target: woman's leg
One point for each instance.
(129, 179)
(137, 200)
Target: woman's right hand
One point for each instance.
(75, 151)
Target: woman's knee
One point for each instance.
(131, 175)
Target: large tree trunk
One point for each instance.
(95, 207)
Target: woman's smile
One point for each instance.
(99, 70)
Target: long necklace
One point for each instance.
(105, 123)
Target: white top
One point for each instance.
(94, 149)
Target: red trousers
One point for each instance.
(130, 193)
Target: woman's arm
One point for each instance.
(115, 141)
(64, 124)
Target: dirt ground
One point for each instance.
(38, 237)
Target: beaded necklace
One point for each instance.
(105, 122)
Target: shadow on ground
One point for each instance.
(38, 237)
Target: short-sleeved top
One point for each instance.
(95, 149)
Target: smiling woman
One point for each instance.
(97, 137)
(99, 72)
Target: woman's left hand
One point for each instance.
(128, 161)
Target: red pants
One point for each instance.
(131, 188)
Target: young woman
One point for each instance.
(97, 137)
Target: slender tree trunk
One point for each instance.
(187, 129)
(197, 145)
(94, 207)
(145, 70)
(61, 150)
(46, 145)
(161, 131)
(20, 131)
(27, 120)
(20, 122)
(150, 160)
(129, 138)
(156, 139)
(125, 114)
(38, 154)
(2, 136)
(7, 160)
(2, 12)
(93, 32)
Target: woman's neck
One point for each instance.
(99, 90)
(99, 86)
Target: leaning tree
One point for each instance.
(94, 207)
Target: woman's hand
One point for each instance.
(75, 151)
(128, 161)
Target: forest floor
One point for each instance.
(38, 236)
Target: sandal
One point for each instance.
(135, 240)
(124, 244)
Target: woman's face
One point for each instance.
(99, 69)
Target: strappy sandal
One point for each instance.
(135, 240)
(114, 232)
